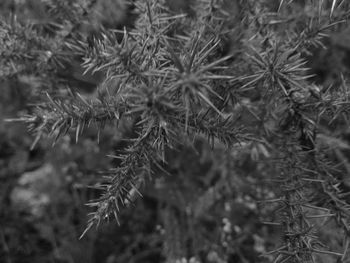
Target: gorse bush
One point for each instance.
(232, 72)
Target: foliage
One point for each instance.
(233, 73)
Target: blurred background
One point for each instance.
(201, 212)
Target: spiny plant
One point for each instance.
(234, 72)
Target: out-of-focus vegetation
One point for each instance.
(200, 205)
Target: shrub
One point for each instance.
(232, 73)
